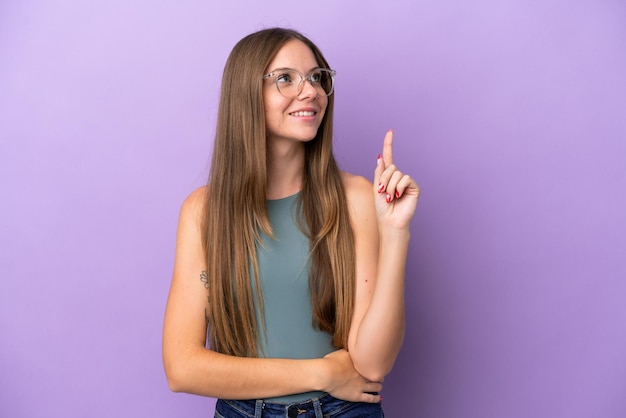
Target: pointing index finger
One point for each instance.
(387, 148)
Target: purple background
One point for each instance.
(510, 114)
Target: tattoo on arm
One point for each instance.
(204, 279)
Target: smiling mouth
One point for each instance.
(303, 113)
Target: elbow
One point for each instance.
(373, 374)
(374, 364)
(181, 370)
(373, 371)
(174, 384)
(174, 376)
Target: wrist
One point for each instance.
(320, 375)
(394, 234)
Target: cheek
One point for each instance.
(274, 106)
(323, 104)
(270, 113)
(274, 109)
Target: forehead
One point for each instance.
(294, 54)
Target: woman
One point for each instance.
(295, 267)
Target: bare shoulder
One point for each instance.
(359, 194)
(189, 260)
(356, 185)
(193, 205)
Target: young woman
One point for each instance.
(295, 268)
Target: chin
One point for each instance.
(303, 137)
(296, 137)
(308, 138)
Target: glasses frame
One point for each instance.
(303, 78)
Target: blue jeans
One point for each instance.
(324, 407)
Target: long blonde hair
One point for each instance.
(235, 208)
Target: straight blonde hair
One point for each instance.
(235, 208)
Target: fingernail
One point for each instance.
(397, 194)
(378, 157)
(381, 187)
(388, 198)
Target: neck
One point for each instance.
(285, 170)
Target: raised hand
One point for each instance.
(396, 193)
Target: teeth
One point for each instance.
(307, 113)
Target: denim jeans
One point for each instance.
(324, 407)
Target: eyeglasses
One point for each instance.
(290, 82)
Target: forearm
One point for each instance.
(381, 331)
(204, 372)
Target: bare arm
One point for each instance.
(191, 367)
(381, 227)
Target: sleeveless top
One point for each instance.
(284, 276)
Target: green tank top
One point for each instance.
(284, 275)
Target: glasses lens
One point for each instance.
(324, 79)
(287, 82)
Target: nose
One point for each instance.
(308, 89)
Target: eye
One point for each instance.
(285, 77)
(316, 77)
